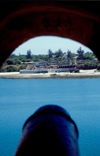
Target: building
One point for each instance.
(41, 63)
(53, 62)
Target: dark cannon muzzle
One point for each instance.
(50, 131)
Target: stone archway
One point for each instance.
(20, 21)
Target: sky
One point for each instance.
(41, 45)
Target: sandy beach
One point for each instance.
(82, 74)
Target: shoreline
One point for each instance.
(62, 75)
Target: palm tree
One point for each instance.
(50, 53)
(80, 53)
(69, 56)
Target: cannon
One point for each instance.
(50, 131)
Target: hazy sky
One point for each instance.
(41, 45)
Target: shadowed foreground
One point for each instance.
(49, 131)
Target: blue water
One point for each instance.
(20, 98)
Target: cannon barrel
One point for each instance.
(50, 131)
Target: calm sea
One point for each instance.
(20, 98)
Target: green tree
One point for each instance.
(69, 55)
(13, 61)
(29, 56)
(17, 61)
(90, 65)
(80, 53)
(22, 58)
(88, 56)
(98, 66)
(11, 69)
(10, 61)
(50, 53)
(59, 53)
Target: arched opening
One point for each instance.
(22, 21)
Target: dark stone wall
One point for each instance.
(20, 21)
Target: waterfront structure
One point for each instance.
(40, 63)
(41, 67)
(53, 62)
(61, 68)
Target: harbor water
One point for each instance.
(20, 98)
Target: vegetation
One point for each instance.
(11, 69)
(83, 60)
(29, 56)
(80, 53)
(98, 66)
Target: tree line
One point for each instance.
(83, 60)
